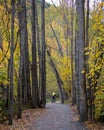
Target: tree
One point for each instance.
(43, 61)
(35, 94)
(72, 54)
(59, 81)
(89, 90)
(26, 90)
(39, 53)
(19, 92)
(81, 44)
(11, 63)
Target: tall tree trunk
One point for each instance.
(7, 91)
(24, 41)
(72, 58)
(89, 91)
(34, 58)
(39, 55)
(59, 81)
(19, 89)
(23, 33)
(58, 42)
(81, 43)
(77, 72)
(11, 63)
(61, 55)
(43, 72)
(76, 60)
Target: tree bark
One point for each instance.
(81, 43)
(77, 72)
(26, 69)
(19, 89)
(11, 63)
(58, 42)
(43, 69)
(89, 91)
(7, 91)
(72, 57)
(34, 58)
(39, 55)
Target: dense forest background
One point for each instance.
(46, 48)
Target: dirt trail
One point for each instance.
(58, 117)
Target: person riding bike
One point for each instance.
(53, 97)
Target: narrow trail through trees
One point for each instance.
(58, 117)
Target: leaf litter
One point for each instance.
(28, 117)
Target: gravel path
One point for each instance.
(58, 117)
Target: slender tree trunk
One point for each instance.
(81, 43)
(23, 33)
(24, 41)
(27, 71)
(43, 72)
(11, 63)
(61, 55)
(59, 81)
(87, 64)
(77, 72)
(34, 58)
(72, 58)
(7, 91)
(58, 42)
(39, 55)
(19, 89)
(76, 60)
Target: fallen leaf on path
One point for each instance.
(28, 117)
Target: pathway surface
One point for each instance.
(58, 117)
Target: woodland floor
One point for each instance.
(55, 117)
(58, 117)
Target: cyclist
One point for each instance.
(53, 97)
